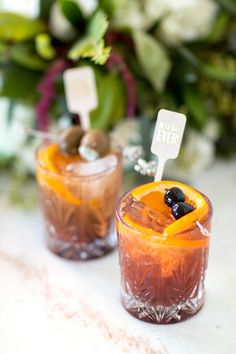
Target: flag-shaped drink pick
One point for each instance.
(81, 93)
(167, 138)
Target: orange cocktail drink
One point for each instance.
(163, 237)
(78, 199)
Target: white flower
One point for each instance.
(187, 20)
(87, 6)
(62, 123)
(131, 14)
(60, 27)
(26, 155)
(26, 160)
(212, 130)
(127, 132)
(12, 136)
(196, 155)
(24, 7)
(155, 9)
(182, 20)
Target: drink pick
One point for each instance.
(167, 138)
(81, 93)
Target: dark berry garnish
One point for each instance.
(180, 209)
(69, 140)
(173, 196)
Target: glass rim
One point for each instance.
(90, 177)
(155, 233)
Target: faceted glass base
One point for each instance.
(82, 250)
(161, 314)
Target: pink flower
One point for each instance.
(48, 93)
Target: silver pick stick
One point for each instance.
(39, 134)
(167, 138)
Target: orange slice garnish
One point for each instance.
(52, 159)
(53, 162)
(160, 239)
(152, 195)
(47, 156)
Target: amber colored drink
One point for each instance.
(78, 200)
(163, 261)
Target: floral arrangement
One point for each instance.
(146, 55)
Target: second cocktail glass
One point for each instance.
(162, 259)
(78, 200)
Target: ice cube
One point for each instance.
(147, 217)
(108, 162)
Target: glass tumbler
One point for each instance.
(162, 279)
(79, 210)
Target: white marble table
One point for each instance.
(50, 305)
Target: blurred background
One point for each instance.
(146, 55)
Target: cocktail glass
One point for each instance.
(79, 209)
(163, 261)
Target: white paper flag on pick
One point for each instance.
(81, 93)
(167, 138)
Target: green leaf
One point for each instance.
(24, 55)
(153, 59)
(92, 45)
(3, 53)
(6, 161)
(44, 48)
(19, 83)
(72, 12)
(188, 56)
(14, 27)
(212, 71)
(10, 111)
(196, 106)
(219, 73)
(98, 26)
(228, 5)
(45, 8)
(110, 6)
(219, 28)
(21, 189)
(87, 48)
(226, 146)
(147, 127)
(111, 100)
